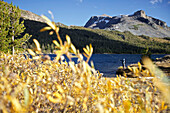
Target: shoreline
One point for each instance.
(162, 63)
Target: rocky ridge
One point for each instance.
(27, 15)
(138, 24)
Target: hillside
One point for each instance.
(138, 24)
(103, 41)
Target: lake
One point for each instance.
(109, 63)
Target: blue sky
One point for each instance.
(77, 12)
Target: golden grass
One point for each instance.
(42, 85)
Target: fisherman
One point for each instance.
(123, 63)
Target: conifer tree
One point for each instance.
(11, 28)
(48, 48)
(52, 47)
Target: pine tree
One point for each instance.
(43, 48)
(52, 47)
(11, 28)
(48, 48)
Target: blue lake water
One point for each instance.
(109, 63)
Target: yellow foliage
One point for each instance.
(31, 85)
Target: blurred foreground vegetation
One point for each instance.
(28, 85)
(42, 85)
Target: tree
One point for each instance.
(11, 28)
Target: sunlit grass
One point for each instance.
(42, 85)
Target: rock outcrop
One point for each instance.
(164, 64)
(138, 24)
(31, 16)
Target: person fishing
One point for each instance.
(123, 63)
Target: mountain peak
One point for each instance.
(105, 15)
(140, 13)
(138, 24)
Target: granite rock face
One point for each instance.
(138, 24)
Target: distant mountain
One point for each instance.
(103, 41)
(27, 15)
(138, 24)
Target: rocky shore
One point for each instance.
(135, 70)
(164, 64)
